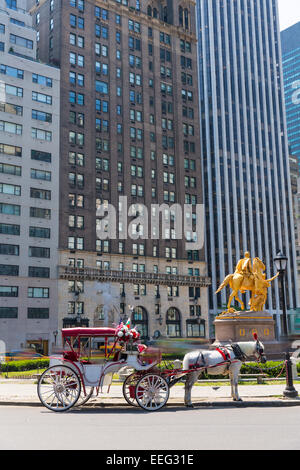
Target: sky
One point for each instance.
(289, 13)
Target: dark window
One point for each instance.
(37, 313)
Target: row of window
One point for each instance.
(14, 229)
(33, 251)
(36, 96)
(32, 312)
(17, 171)
(32, 292)
(33, 271)
(15, 190)
(19, 73)
(16, 151)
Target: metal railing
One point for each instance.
(88, 273)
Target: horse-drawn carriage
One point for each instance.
(93, 355)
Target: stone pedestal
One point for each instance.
(240, 326)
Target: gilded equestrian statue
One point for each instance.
(248, 278)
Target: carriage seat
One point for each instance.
(70, 356)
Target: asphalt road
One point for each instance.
(174, 428)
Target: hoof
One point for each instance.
(189, 405)
(237, 399)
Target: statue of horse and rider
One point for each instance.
(248, 278)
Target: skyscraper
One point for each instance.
(29, 166)
(290, 42)
(244, 143)
(129, 127)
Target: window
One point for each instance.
(39, 232)
(41, 134)
(9, 229)
(11, 127)
(11, 71)
(13, 90)
(20, 41)
(38, 252)
(11, 189)
(10, 209)
(101, 87)
(11, 150)
(10, 169)
(40, 174)
(37, 271)
(6, 249)
(41, 115)
(38, 292)
(11, 108)
(40, 213)
(40, 193)
(41, 97)
(38, 312)
(9, 291)
(9, 270)
(173, 323)
(8, 312)
(41, 156)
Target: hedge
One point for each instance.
(271, 368)
(17, 366)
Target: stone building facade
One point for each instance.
(130, 128)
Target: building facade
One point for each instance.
(246, 175)
(130, 129)
(290, 43)
(29, 166)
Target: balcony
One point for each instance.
(110, 275)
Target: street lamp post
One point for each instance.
(281, 262)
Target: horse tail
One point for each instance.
(225, 283)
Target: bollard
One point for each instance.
(290, 391)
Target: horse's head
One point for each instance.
(258, 265)
(259, 350)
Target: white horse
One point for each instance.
(217, 364)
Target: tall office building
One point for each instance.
(129, 127)
(29, 165)
(290, 43)
(244, 145)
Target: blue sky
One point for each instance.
(289, 13)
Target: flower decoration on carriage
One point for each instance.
(125, 333)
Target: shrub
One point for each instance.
(29, 364)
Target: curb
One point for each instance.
(203, 404)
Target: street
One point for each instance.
(174, 428)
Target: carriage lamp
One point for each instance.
(281, 263)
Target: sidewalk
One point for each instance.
(24, 393)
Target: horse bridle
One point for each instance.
(242, 356)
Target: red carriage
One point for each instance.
(88, 363)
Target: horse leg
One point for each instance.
(190, 380)
(241, 302)
(234, 371)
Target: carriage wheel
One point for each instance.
(59, 388)
(82, 400)
(129, 387)
(152, 392)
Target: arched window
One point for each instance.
(149, 11)
(155, 13)
(140, 320)
(180, 15)
(173, 322)
(186, 18)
